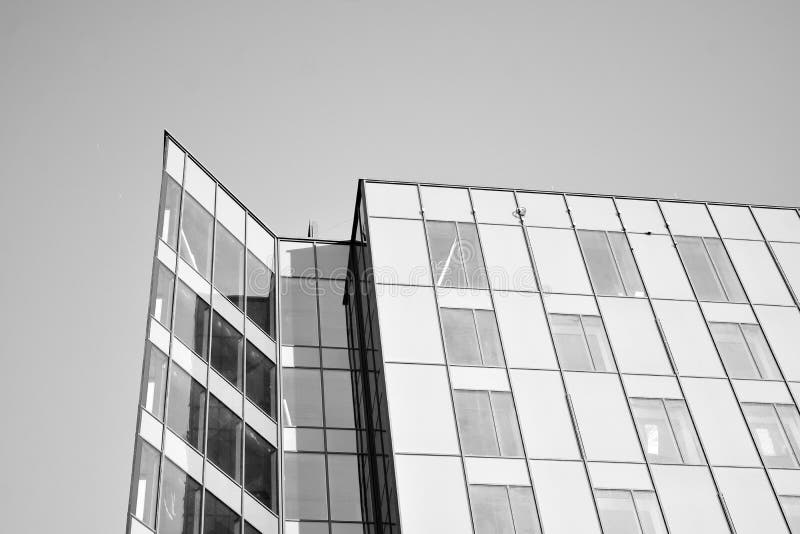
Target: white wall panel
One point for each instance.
(565, 500)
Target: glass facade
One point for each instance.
(471, 360)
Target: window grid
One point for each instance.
(482, 347)
(630, 282)
(633, 499)
(761, 358)
(682, 448)
(728, 287)
(599, 357)
(766, 445)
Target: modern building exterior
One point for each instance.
(471, 360)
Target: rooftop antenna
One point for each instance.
(312, 228)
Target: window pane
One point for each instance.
(226, 350)
(617, 513)
(260, 380)
(446, 263)
(684, 431)
(626, 265)
(145, 483)
(186, 412)
(734, 351)
(260, 294)
(161, 294)
(229, 266)
(460, 339)
(791, 507)
(338, 399)
(598, 343)
(196, 234)
(224, 438)
(472, 256)
(730, 282)
(332, 313)
(491, 512)
(655, 431)
(260, 473)
(191, 320)
(218, 518)
(523, 510)
(179, 505)
(791, 424)
(344, 489)
(649, 512)
(505, 421)
(570, 345)
(701, 271)
(474, 415)
(302, 398)
(304, 484)
(760, 352)
(602, 268)
(299, 312)
(155, 382)
(170, 208)
(491, 349)
(769, 435)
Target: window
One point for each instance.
(503, 510)
(155, 382)
(487, 423)
(302, 397)
(332, 314)
(666, 431)
(145, 481)
(456, 257)
(345, 497)
(224, 438)
(197, 229)
(304, 486)
(179, 504)
(338, 399)
(629, 512)
(791, 507)
(168, 217)
(161, 294)
(218, 518)
(744, 351)
(776, 429)
(229, 266)
(611, 265)
(226, 350)
(191, 320)
(186, 411)
(260, 379)
(581, 343)
(260, 469)
(299, 312)
(471, 337)
(260, 294)
(710, 270)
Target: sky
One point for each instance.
(288, 104)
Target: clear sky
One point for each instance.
(288, 103)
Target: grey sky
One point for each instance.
(288, 103)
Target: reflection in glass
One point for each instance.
(650, 517)
(744, 351)
(338, 393)
(332, 314)
(791, 507)
(226, 350)
(471, 337)
(229, 266)
(506, 427)
(769, 434)
(617, 512)
(302, 398)
(345, 499)
(685, 434)
(179, 505)
(710, 270)
(304, 485)
(611, 266)
(260, 471)
(581, 343)
(155, 382)
(218, 518)
(491, 510)
(186, 407)
(224, 438)
(523, 510)
(161, 294)
(260, 294)
(260, 380)
(489, 337)
(143, 494)
(196, 234)
(487, 423)
(456, 256)
(299, 312)
(191, 319)
(666, 431)
(170, 209)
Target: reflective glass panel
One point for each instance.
(790, 419)
(460, 337)
(734, 351)
(304, 485)
(260, 379)
(491, 511)
(617, 512)
(179, 502)
(570, 344)
(597, 341)
(229, 266)
(332, 318)
(700, 269)
(218, 518)
(191, 320)
(145, 482)
(769, 435)
(338, 394)
(226, 350)
(345, 501)
(155, 382)
(446, 262)
(489, 336)
(302, 397)
(475, 425)
(299, 312)
(260, 469)
(655, 431)
(161, 294)
(505, 421)
(791, 507)
(759, 349)
(260, 283)
(650, 518)
(523, 510)
(602, 267)
(224, 438)
(724, 268)
(685, 434)
(197, 227)
(186, 409)
(626, 264)
(170, 209)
